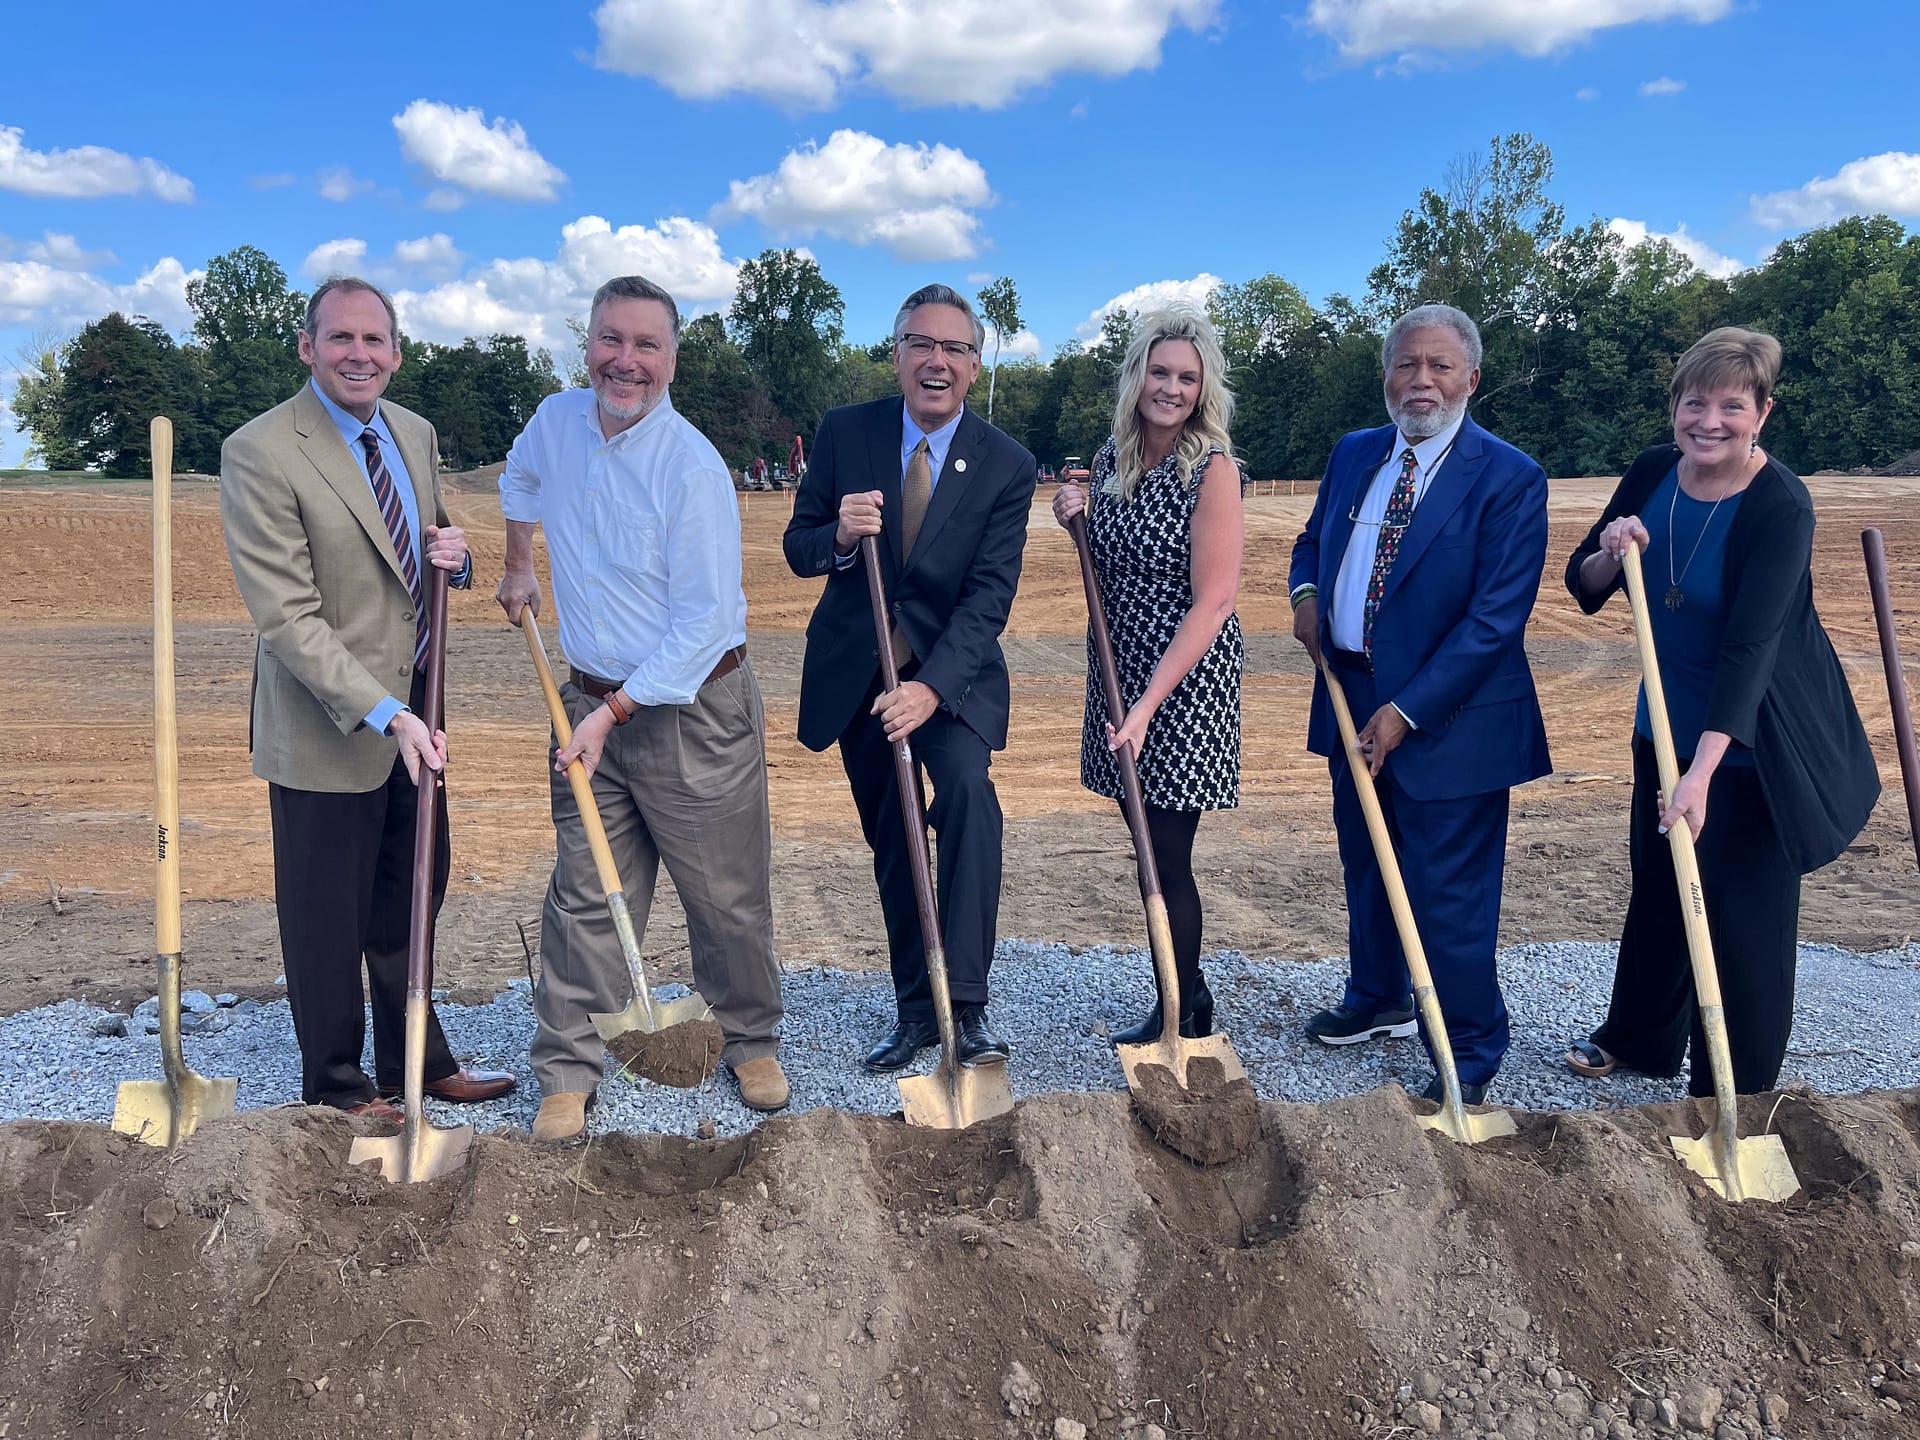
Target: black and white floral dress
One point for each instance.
(1143, 558)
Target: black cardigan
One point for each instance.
(1777, 685)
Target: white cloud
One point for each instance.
(62, 252)
(1705, 258)
(1151, 296)
(534, 298)
(459, 147)
(917, 200)
(1665, 85)
(1364, 29)
(923, 52)
(430, 255)
(1586, 92)
(1023, 345)
(423, 261)
(84, 171)
(334, 257)
(1889, 182)
(33, 292)
(339, 184)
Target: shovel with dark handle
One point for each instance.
(1452, 1119)
(954, 1096)
(1756, 1168)
(165, 1112)
(1173, 1051)
(644, 1012)
(1876, 554)
(421, 1151)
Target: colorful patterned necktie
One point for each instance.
(1399, 512)
(916, 489)
(387, 495)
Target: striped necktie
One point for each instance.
(387, 495)
(1399, 513)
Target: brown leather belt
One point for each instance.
(600, 689)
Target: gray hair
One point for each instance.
(1434, 316)
(635, 287)
(347, 285)
(938, 295)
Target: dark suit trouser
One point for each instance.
(965, 815)
(1752, 894)
(1452, 857)
(343, 885)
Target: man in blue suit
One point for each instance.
(948, 495)
(1414, 577)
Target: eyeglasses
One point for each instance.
(921, 346)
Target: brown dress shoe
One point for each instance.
(378, 1110)
(464, 1086)
(763, 1084)
(563, 1118)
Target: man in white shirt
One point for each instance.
(643, 542)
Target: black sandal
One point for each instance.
(1586, 1058)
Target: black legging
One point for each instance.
(1172, 832)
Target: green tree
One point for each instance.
(787, 318)
(115, 376)
(36, 405)
(478, 394)
(248, 319)
(717, 391)
(1000, 303)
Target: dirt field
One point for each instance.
(76, 761)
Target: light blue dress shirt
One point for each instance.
(938, 443)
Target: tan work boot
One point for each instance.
(763, 1084)
(563, 1118)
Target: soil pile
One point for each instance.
(1053, 1273)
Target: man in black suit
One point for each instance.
(948, 494)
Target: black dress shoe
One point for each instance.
(1196, 1021)
(1469, 1094)
(976, 1043)
(906, 1040)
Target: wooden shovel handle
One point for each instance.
(166, 745)
(576, 772)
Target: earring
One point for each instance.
(1753, 445)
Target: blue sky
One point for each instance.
(493, 162)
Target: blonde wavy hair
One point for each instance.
(1206, 427)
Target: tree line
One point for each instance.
(1581, 332)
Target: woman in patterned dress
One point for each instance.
(1164, 523)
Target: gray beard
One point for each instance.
(635, 411)
(1417, 427)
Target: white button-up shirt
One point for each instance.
(643, 541)
(1347, 617)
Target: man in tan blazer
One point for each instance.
(323, 499)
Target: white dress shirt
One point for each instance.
(938, 443)
(1346, 617)
(643, 541)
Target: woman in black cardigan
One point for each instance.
(1769, 742)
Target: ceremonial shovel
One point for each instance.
(165, 1112)
(421, 1151)
(954, 1096)
(1756, 1168)
(1453, 1119)
(1172, 1050)
(643, 1012)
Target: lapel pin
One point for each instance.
(959, 465)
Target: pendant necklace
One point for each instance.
(1676, 597)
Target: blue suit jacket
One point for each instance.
(1448, 634)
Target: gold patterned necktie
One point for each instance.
(916, 489)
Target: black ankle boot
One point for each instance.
(1196, 1020)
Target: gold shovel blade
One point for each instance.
(1761, 1168)
(417, 1154)
(613, 1024)
(145, 1109)
(1177, 1054)
(1470, 1127)
(953, 1100)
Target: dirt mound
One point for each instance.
(1349, 1274)
(681, 1055)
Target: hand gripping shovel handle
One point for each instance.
(590, 821)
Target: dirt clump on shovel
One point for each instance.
(1212, 1121)
(681, 1055)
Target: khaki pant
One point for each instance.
(686, 784)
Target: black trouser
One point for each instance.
(343, 886)
(965, 815)
(1752, 895)
(1171, 833)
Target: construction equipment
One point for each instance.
(954, 1096)
(1453, 1119)
(421, 1151)
(1173, 1051)
(165, 1112)
(643, 1012)
(1876, 553)
(1755, 1168)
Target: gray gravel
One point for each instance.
(1857, 1027)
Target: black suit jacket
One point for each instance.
(1777, 685)
(951, 595)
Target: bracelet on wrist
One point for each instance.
(621, 712)
(1304, 593)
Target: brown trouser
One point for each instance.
(684, 784)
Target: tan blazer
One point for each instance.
(317, 571)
